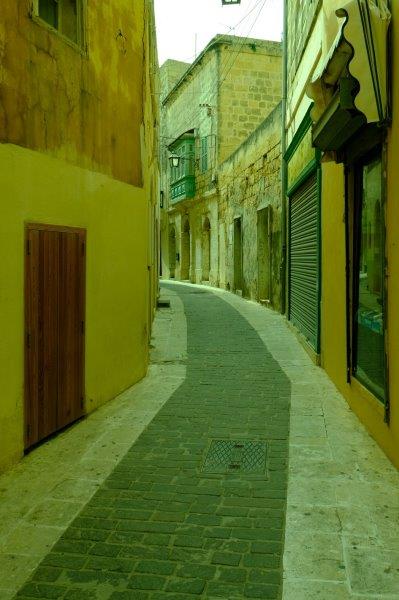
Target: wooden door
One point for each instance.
(54, 315)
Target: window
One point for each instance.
(64, 15)
(368, 364)
(48, 11)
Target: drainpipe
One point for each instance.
(283, 264)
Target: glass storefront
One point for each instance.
(369, 363)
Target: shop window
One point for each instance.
(64, 15)
(368, 363)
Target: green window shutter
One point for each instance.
(304, 265)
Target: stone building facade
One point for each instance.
(222, 98)
(249, 215)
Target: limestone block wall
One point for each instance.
(251, 86)
(250, 189)
(170, 73)
(224, 96)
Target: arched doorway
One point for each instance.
(172, 252)
(185, 250)
(206, 249)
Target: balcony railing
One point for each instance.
(182, 189)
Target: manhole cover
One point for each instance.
(229, 456)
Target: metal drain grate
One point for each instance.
(229, 456)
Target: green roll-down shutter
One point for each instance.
(304, 261)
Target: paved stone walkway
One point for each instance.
(342, 532)
(160, 527)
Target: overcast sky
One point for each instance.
(186, 25)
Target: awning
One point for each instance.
(351, 83)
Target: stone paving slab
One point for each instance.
(67, 470)
(342, 530)
(159, 527)
(342, 492)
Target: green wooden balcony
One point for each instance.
(182, 189)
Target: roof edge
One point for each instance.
(216, 41)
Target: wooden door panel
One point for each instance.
(70, 330)
(48, 332)
(55, 299)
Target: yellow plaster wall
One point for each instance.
(333, 317)
(79, 147)
(392, 217)
(43, 189)
(96, 118)
(333, 296)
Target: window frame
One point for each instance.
(80, 45)
(353, 212)
(204, 154)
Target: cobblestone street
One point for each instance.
(137, 507)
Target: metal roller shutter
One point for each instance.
(304, 261)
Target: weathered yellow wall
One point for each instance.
(79, 148)
(77, 106)
(333, 340)
(333, 296)
(115, 215)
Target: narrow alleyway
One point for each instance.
(182, 517)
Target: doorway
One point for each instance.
(238, 283)
(172, 252)
(206, 249)
(264, 232)
(185, 250)
(55, 329)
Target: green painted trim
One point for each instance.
(181, 141)
(319, 257)
(307, 171)
(313, 166)
(187, 185)
(299, 135)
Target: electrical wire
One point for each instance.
(229, 62)
(228, 65)
(225, 69)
